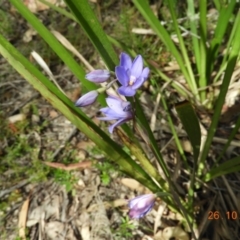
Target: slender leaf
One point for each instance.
(203, 80)
(193, 26)
(191, 80)
(217, 4)
(89, 22)
(227, 167)
(190, 123)
(60, 10)
(220, 30)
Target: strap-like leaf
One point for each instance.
(89, 22)
(227, 167)
(190, 123)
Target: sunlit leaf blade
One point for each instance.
(217, 4)
(190, 123)
(75, 115)
(203, 50)
(220, 30)
(183, 50)
(230, 166)
(89, 22)
(61, 10)
(222, 24)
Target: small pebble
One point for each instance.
(35, 118)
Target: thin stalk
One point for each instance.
(203, 81)
(191, 79)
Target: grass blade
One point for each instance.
(60, 10)
(220, 30)
(191, 80)
(190, 123)
(230, 166)
(89, 22)
(203, 81)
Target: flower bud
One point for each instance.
(141, 205)
(87, 99)
(98, 76)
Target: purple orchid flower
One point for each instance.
(98, 76)
(141, 205)
(87, 99)
(131, 74)
(117, 110)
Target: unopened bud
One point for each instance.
(87, 99)
(98, 76)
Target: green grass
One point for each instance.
(65, 178)
(7, 24)
(124, 230)
(20, 155)
(106, 169)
